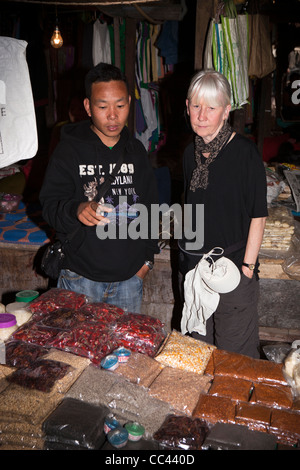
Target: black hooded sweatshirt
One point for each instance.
(79, 165)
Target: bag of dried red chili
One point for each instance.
(140, 333)
(56, 298)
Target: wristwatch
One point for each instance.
(250, 266)
(149, 264)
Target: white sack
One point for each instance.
(18, 131)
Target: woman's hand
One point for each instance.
(248, 272)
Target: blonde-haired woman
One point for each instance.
(224, 172)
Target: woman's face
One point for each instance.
(206, 121)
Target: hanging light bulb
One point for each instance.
(56, 39)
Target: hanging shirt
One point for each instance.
(101, 43)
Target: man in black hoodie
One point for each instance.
(100, 260)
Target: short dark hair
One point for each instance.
(103, 73)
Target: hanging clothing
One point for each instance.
(168, 42)
(146, 72)
(101, 43)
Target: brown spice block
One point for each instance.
(244, 367)
(279, 396)
(256, 417)
(215, 409)
(237, 389)
(210, 368)
(285, 424)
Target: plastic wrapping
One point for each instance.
(276, 352)
(40, 374)
(291, 263)
(93, 341)
(285, 425)
(278, 234)
(100, 311)
(275, 185)
(140, 333)
(254, 416)
(65, 320)
(181, 389)
(31, 332)
(20, 354)
(71, 331)
(215, 409)
(76, 423)
(181, 432)
(244, 367)
(100, 382)
(185, 353)
(227, 436)
(231, 387)
(291, 370)
(62, 319)
(27, 405)
(140, 369)
(57, 298)
(279, 396)
(77, 365)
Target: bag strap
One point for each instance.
(103, 190)
(230, 249)
(105, 186)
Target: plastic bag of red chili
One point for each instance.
(32, 332)
(140, 333)
(39, 375)
(57, 298)
(20, 354)
(100, 311)
(93, 341)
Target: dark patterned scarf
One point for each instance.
(201, 172)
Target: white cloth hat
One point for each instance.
(221, 276)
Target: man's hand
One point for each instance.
(89, 213)
(143, 271)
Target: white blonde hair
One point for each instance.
(210, 85)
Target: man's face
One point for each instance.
(108, 108)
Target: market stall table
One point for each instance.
(209, 387)
(23, 234)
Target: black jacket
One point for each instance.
(75, 171)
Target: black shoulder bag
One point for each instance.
(54, 255)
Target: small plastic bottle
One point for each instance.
(8, 324)
(20, 310)
(135, 431)
(118, 437)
